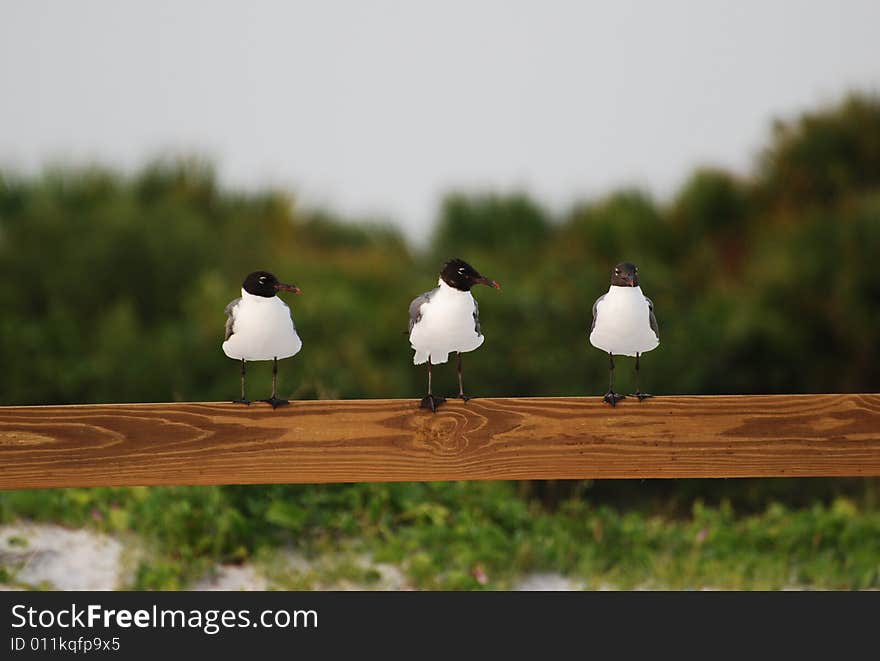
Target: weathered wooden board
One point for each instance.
(483, 439)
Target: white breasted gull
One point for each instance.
(259, 326)
(446, 320)
(624, 324)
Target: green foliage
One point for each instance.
(824, 157)
(113, 288)
(510, 224)
(476, 535)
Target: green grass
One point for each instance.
(447, 535)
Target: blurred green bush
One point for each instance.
(113, 288)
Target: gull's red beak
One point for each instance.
(489, 283)
(291, 288)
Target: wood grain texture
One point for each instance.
(484, 439)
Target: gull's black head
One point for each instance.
(265, 284)
(625, 274)
(460, 275)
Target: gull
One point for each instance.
(624, 324)
(445, 320)
(259, 326)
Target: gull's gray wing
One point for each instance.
(596, 305)
(477, 317)
(652, 318)
(230, 317)
(415, 307)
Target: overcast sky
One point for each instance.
(376, 108)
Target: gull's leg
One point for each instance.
(243, 400)
(612, 397)
(461, 394)
(273, 400)
(430, 401)
(638, 393)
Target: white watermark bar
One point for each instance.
(389, 625)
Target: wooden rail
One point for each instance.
(484, 439)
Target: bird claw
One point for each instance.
(641, 395)
(461, 396)
(431, 402)
(242, 401)
(612, 398)
(275, 402)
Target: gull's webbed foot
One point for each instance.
(431, 402)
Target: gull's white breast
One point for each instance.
(262, 330)
(447, 325)
(623, 323)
